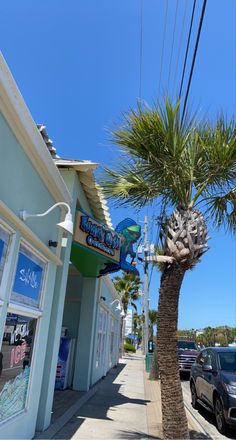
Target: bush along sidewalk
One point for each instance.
(129, 347)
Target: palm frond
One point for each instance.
(222, 210)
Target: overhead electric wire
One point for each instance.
(187, 48)
(141, 50)
(194, 57)
(172, 44)
(180, 44)
(162, 51)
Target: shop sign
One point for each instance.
(93, 235)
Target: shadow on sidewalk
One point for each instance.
(198, 435)
(137, 435)
(108, 397)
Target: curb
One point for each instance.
(191, 415)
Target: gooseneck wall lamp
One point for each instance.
(118, 307)
(66, 225)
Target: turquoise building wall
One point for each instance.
(23, 188)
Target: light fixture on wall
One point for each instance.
(118, 307)
(66, 225)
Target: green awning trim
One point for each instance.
(87, 261)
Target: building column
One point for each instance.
(86, 333)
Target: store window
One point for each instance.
(15, 363)
(18, 342)
(4, 243)
(28, 283)
(111, 351)
(101, 342)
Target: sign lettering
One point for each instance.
(92, 234)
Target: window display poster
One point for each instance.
(28, 280)
(15, 363)
(63, 364)
(1, 248)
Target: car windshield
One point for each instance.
(187, 345)
(227, 361)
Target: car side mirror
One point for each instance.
(207, 368)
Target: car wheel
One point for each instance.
(220, 418)
(194, 396)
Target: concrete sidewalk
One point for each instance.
(125, 405)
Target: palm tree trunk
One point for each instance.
(174, 418)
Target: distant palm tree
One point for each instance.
(138, 325)
(127, 287)
(186, 166)
(153, 317)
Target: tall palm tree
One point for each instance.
(190, 168)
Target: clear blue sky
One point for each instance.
(77, 64)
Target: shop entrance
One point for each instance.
(64, 394)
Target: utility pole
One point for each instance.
(145, 286)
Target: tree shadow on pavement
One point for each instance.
(133, 435)
(198, 435)
(108, 397)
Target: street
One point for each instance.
(203, 417)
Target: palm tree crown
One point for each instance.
(180, 164)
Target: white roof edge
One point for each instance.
(78, 165)
(83, 166)
(18, 116)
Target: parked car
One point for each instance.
(213, 384)
(187, 353)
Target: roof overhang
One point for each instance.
(92, 190)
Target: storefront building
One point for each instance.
(49, 283)
(28, 181)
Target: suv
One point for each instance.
(187, 353)
(213, 384)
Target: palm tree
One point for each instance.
(138, 326)
(189, 168)
(153, 316)
(127, 286)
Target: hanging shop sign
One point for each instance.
(97, 237)
(129, 232)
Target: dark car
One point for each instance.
(213, 384)
(187, 353)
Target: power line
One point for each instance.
(172, 44)
(141, 49)
(180, 43)
(162, 51)
(194, 56)
(187, 47)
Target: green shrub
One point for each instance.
(129, 347)
(128, 341)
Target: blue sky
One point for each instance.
(77, 65)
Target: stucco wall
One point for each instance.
(22, 188)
